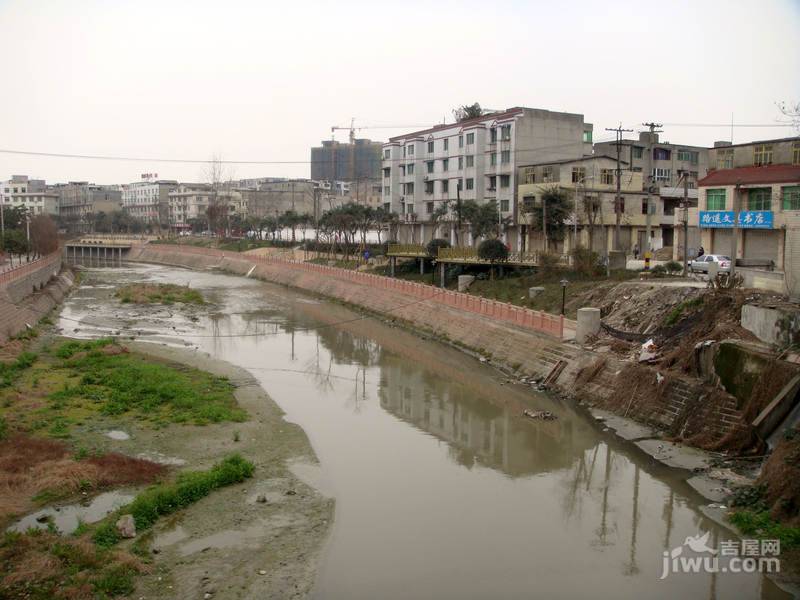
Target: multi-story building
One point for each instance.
(30, 194)
(355, 161)
(148, 200)
(188, 203)
(77, 199)
(474, 159)
(276, 197)
(757, 185)
(590, 186)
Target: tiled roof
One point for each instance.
(748, 175)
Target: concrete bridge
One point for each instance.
(102, 250)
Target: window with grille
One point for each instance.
(547, 174)
(493, 135)
(428, 187)
(505, 157)
(578, 174)
(492, 183)
(505, 181)
(470, 183)
(530, 175)
(504, 205)
(470, 161)
(493, 158)
(505, 133)
(470, 139)
(528, 203)
(446, 143)
(410, 169)
(762, 155)
(791, 197)
(715, 199)
(607, 176)
(445, 186)
(429, 166)
(661, 154)
(429, 207)
(430, 147)
(796, 153)
(759, 199)
(445, 165)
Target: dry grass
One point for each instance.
(35, 467)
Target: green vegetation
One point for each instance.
(341, 264)
(160, 293)
(166, 498)
(676, 313)
(9, 372)
(759, 523)
(42, 564)
(74, 381)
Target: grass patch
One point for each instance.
(341, 264)
(158, 293)
(9, 372)
(166, 498)
(117, 382)
(762, 525)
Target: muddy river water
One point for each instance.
(442, 489)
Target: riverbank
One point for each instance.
(259, 539)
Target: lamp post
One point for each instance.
(564, 283)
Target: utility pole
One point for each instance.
(618, 201)
(685, 226)
(649, 183)
(737, 191)
(458, 213)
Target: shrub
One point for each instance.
(586, 262)
(658, 271)
(674, 266)
(433, 246)
(493, 250)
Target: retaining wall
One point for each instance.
(15, 316)
(20, 282)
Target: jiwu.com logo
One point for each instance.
(732, 556)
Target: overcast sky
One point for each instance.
(266, 80)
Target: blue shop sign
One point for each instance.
(748, 219)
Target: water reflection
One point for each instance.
(443, 489)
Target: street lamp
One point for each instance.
(564, 283)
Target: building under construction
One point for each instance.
(357, 160)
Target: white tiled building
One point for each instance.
(187, 202)
(148, 200)
(31, 194)
(423, 170)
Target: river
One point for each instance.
(442, 489)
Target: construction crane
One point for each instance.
(352, 129)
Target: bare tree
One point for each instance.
(219, 177)
(44, 235)
(791, 113)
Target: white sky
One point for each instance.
(265, 80)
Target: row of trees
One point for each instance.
(24, 234)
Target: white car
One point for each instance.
(700, 264)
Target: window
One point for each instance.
(528, 203)
(428, 187)
(587, 137)
(547, 174)
(493, 158)
(791, 198)
(505, 133)
(446, 144)
(409, 209)
(430, 147)
(445, 186)
(493, 135)
(410, 169)
(607, 176)
(492, 183)
(411, 150)
(689, 156)
(505, 181)
(429, 166)
(644, 206)
(470, 183)
(470, 139)
(387, 206)
(460, 162)
(759, 199)
(661, 154)
(402, 170)
(762, 155)
(445, 164)
(530, 175)
(505, 157)
(725, 158)
(409, 188)
(429, 207)
(578, 174)
(386, 190)
(461, 141)
(662, 174)
(715, 199)
(470, 161)
(387, 153)
(503, 205)
(796, 153)
(387, 172)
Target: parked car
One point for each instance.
(700, 264)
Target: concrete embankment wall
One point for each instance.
(28, 294)
(522, 350)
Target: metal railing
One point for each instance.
(407, 250)
(525, 318)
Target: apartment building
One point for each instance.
(148, 200)
(77, 199)
(187, 203)
(590, 185)
(756, 184)
(474, 159)
(338, 161)
(275, 197)
(30, 194)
